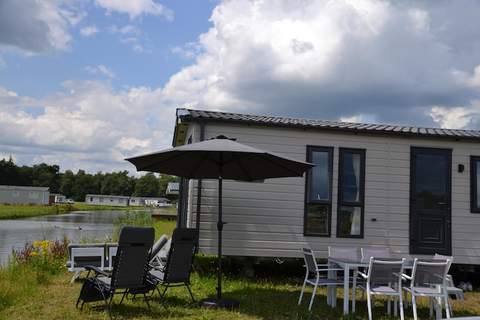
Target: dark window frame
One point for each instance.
(473, 184)
(329, 203)
(340, 201)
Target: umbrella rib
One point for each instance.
(199, 164)
(244, 170)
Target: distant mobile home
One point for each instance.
(107, 200)
(57, 198)
(414, 190)
(24, 195)
(148, 201)
(172, 188)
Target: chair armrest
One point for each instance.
(363, 275)
(96, 270)
(406, 277)
(330, 269)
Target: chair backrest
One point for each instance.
(180, 258)
(161, 242)
(426, 273)
(375, 252)
(442, 257)
(385, 272)
(130, 265)
(310, 262)
(350, 253)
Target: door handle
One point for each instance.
(441, 203)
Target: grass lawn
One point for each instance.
(40, 289)
(259, 299)
(25, 211)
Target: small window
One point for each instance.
(351, 191)
(318, 192)
(474, 183)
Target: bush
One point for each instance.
(29, 267)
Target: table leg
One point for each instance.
(346, 289)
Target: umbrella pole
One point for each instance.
(220, 230)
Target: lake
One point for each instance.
(76, 226)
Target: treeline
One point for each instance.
(77, 185)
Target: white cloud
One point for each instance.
(100, 70)
(87, 125)
(136, 8)
(88, 31)
(392, 61)
(37, 26)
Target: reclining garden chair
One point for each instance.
(129, 269)
(177, 269)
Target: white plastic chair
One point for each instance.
(429, 279)
(82, 256)
(313, 276)
(111, 254)
(384, 278)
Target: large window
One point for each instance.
(351, 193)
(318, 192)
(474, 183)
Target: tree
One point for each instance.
(67, 183)
(147, 186)
(45, 175)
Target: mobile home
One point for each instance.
(24, 195)
(414, 190)
(107, 200)
(148, 201)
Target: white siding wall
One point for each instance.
(266, 219)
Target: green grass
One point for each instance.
(259, 299)
(40, 289)
(25, 211)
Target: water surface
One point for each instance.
(76, 226)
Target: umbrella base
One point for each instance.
(220, 304)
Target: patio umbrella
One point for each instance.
(220, 158)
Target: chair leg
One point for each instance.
(354, 289)
(301, 292)
(190, 291)
(369, 305)
(123, 297)
(146, 301)
(400, 301)
(414, 307)
(447, 304)
(313, 296)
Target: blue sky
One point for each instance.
(87, 83)
(41, 74)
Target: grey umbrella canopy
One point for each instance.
(220, 158)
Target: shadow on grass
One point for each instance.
(282, 304)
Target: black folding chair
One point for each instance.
(176, 271)
(129, 271)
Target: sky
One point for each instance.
(87, 83)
